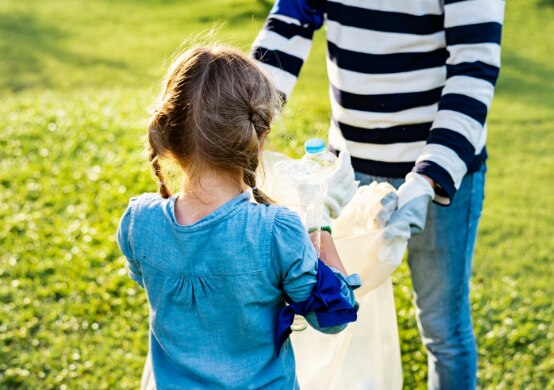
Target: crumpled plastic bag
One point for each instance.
(369, 210)
(364, 242)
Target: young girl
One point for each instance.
(218, 260)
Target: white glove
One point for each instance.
(341, 186)
(413, 199)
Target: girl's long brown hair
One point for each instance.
(215, 111)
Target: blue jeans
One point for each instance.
(440, 262)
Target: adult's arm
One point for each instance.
(473, 31)
(285, 41)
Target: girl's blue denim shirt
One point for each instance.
(216, 289)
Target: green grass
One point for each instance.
(76, 80)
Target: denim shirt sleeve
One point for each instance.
(293, 256)
(124, 241)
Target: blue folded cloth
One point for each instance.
(332, 301)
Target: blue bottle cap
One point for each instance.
(314, 145)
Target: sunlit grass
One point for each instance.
(76, 81)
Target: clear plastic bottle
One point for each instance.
(317, 152)
(319, 163)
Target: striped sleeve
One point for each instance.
(458, 134)
(285, 41)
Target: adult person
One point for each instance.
(411, 83)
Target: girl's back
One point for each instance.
(215, 291)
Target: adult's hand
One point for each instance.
(414, 197)
(341, 188)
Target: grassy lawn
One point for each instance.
(76, 80)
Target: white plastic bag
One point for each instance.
(364, 244)
(366, 355)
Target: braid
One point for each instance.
(259, 195)
(249, 175)
(157, 169)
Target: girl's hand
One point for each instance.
(328, 252)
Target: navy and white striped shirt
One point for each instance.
(411, 81)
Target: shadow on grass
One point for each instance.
(258, 10)
(526, 80)
(28, 45)
(546, 3)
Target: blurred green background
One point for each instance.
(76, 80)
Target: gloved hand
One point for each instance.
(341, 188)
(413, 199)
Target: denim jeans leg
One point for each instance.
(440, 261)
